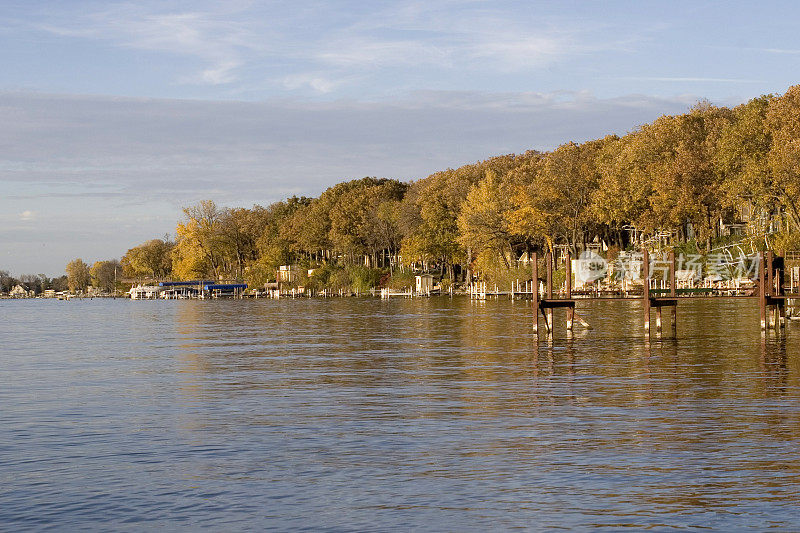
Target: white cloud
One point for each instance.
(27, 215)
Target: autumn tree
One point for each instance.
(104, 274)
(624, 188)
(432, 205)
(199, 246)
(344, 220)
(152, 258)
(386, 233)
(783, 123)
(275, 246)
(483, 221)
(554, 194)
(78, 275)
(355, 218)
(240, 230)
(673, 181)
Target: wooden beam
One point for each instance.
(556, 302)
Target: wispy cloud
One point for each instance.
(758, 49)
(777, 51)
(689, 79)
(359, 51)
(319, 82)
(215, 38)
(332, 46)
(470, 36)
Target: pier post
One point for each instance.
(570, 310)
(673, 293)
(549, 318)
(535, 292)
(568, 285)
(770, 274)
(779, 264)
(772, 310)
(762, 291)
(646, 290)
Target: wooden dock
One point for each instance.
(770, 290)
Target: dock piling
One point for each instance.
(535, 293)
(673, 294)
(762, 291)
(646, 290)
(549, 317)
(570, 310)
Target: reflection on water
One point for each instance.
(433, 413)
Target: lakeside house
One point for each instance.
(288, 273)
(19, 292)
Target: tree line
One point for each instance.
(686, 175)
(33, 283)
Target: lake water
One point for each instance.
(362, 414)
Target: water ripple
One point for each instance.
(354, 414)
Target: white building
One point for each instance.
(424, 283)
(18, 292)
(145, 292)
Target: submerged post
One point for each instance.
(658, 319)
(646, 289)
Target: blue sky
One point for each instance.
(114, 115)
